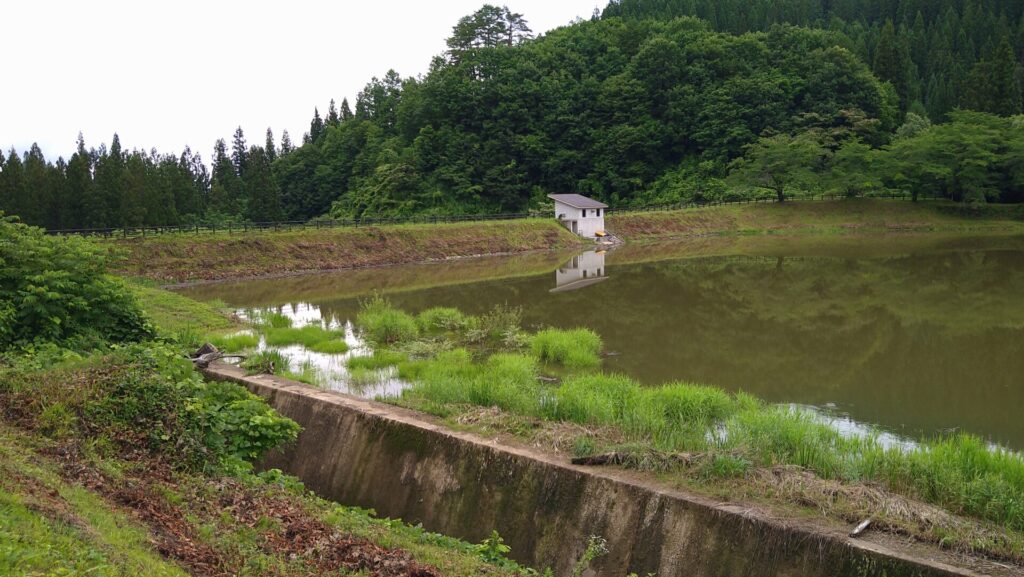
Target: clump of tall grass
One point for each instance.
(271, 319)
(234, 343)
(269, 361)
(308, 373)
(576, 348)
(307, 336)
(501, 325)
(336, 346)
(443, 319)
(380, 359)
(383, 324)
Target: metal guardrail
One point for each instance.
(316, 224)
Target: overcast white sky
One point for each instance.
(166, 74)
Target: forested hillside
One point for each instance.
(939, 54)
(636, 107)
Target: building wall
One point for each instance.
(587, 223)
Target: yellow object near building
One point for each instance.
(600, 233)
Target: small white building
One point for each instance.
(581, 215)
(582, 270)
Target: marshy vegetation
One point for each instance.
(702, 434)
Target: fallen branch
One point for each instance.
(860, 529)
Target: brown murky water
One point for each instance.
(917, 334)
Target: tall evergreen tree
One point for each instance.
(13, 194)
(316, 127)
(223, 180)
(37, 188)
(264, 196)
(109, 179)
(1006, 94)
(332, 115)
(346, 110)
(270, 148)
(86, 209)
(239, 152)
(890, 64)
(286, 144)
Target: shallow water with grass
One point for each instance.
(920, 335)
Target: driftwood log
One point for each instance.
(208, 353)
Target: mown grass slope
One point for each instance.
(182, 257)
(817, 217)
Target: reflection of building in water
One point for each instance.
(582, 270)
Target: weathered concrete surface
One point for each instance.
(406, 466)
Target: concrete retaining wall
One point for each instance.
(401, 464)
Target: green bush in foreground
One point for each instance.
(576, 348)
(147, 396)
(55, 289)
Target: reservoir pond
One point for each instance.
(917, 335)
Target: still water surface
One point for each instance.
(917, 335)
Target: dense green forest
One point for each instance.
(939, 55)
(638, 106)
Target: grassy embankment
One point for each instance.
(483, 374)
(177, 258)
(182, 258)
(860, 215)
(124, 462)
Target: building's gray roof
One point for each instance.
(577, 201)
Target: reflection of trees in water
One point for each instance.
(925, 341)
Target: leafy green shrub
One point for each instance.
(236, 423)
(148, 397)
(576, 348)
(384, 324)
(55, 289)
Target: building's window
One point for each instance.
(584, 213)
(597, 212)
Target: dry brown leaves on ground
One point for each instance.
(294, 535)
